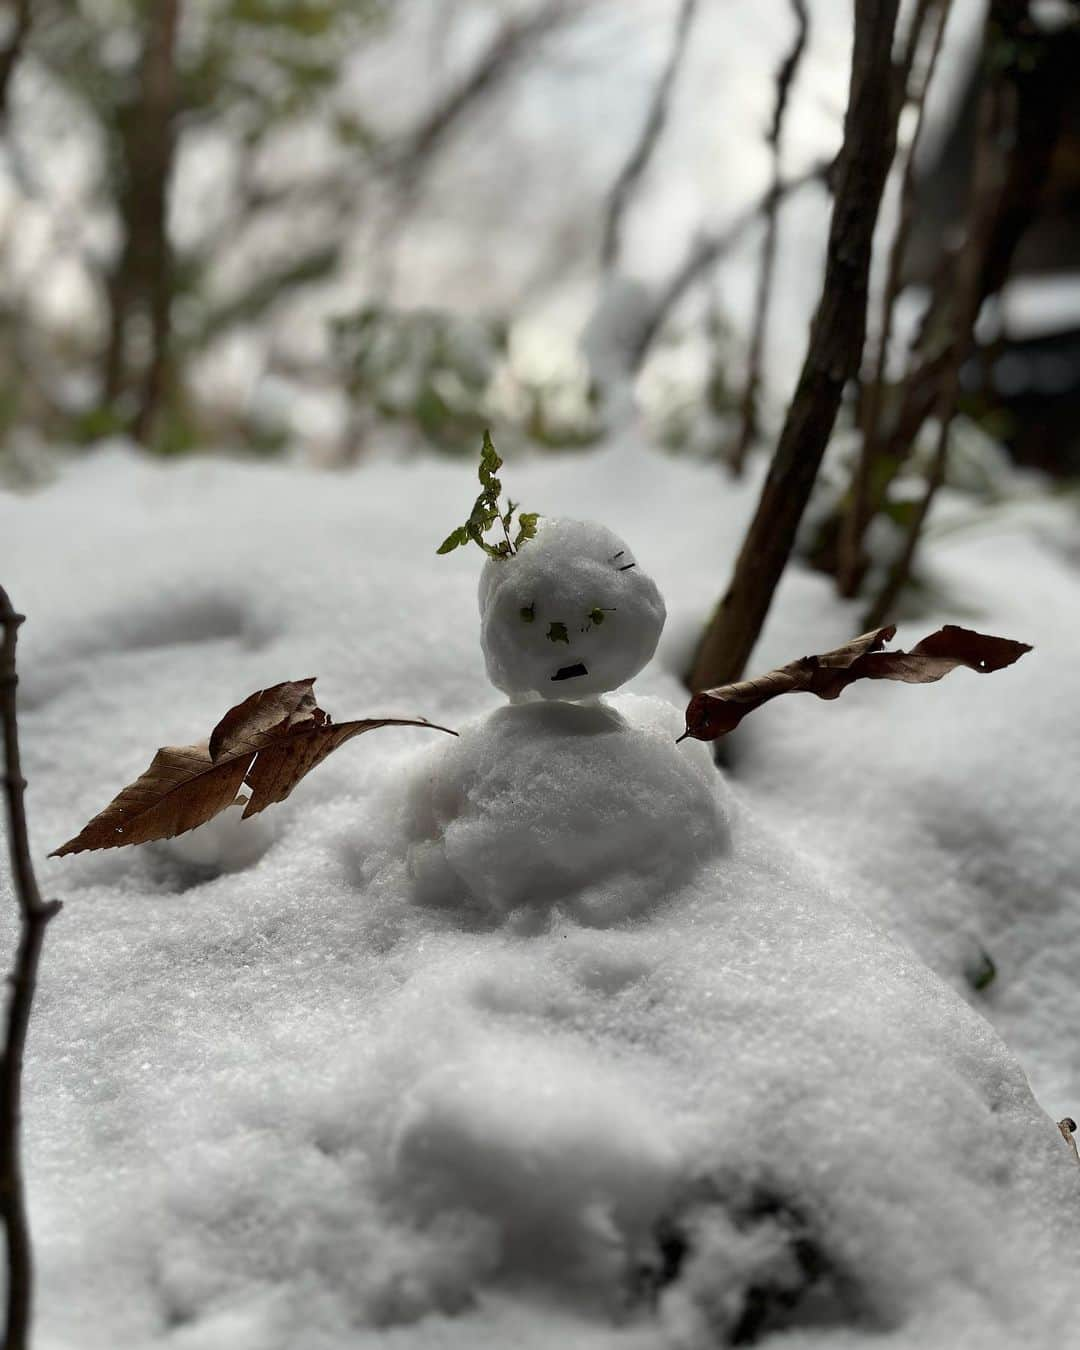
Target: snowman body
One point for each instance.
(565, 800)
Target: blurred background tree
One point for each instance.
(331, 229)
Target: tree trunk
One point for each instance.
(142, 282)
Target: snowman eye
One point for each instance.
(528, 612)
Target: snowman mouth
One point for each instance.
(570, 672)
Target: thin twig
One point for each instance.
(785, 77)
(638, 160)
(853, 526)
(504, 50)
(407, 163)
(708, 250)
(995, 123)
(9, 57)
(34, 914)
(832, 358)
(1041, 87)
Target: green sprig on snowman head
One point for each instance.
(486, 513)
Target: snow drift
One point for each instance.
(489, 1044)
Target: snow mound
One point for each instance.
(589, 807)
(563, 1155)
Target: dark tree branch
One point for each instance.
(656, 119)
(141, 282)
(158, 111)
(853, 527)
(832, 359)
(707, 251)
(34, 914)
(502, 53)
(785, 76)
(9, 57)
(1037, 68)
(407, 163)
(996, 129)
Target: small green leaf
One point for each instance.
(454, 540)
(557, 633)
(485, 512)
(490, 464)
(526, 527)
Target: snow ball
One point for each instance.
(590, 807)
(571, 614)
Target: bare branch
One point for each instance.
(996, 128)
(638, 161)
(408, 161)
(141, 282)
(708, 250)
(34, 914)
(785, 76)
(832, 359)
(504, 50)
(159, 110)
(9, 57)
(850, 565)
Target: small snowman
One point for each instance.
(563, 799)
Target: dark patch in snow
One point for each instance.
(570, 672)
(747, 1262)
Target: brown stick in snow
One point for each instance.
(832, 359)
(34, 915)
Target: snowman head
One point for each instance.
(569, 615)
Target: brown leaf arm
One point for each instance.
(270, 740)
(714, 712)
(279, 767)
(181, 789)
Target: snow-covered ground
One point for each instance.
(299, 1100)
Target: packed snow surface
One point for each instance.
(553, 1034)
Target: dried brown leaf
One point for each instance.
(279, 767)
(269, 741)
(1068, 1133)
(714, 712)
(181, 789)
